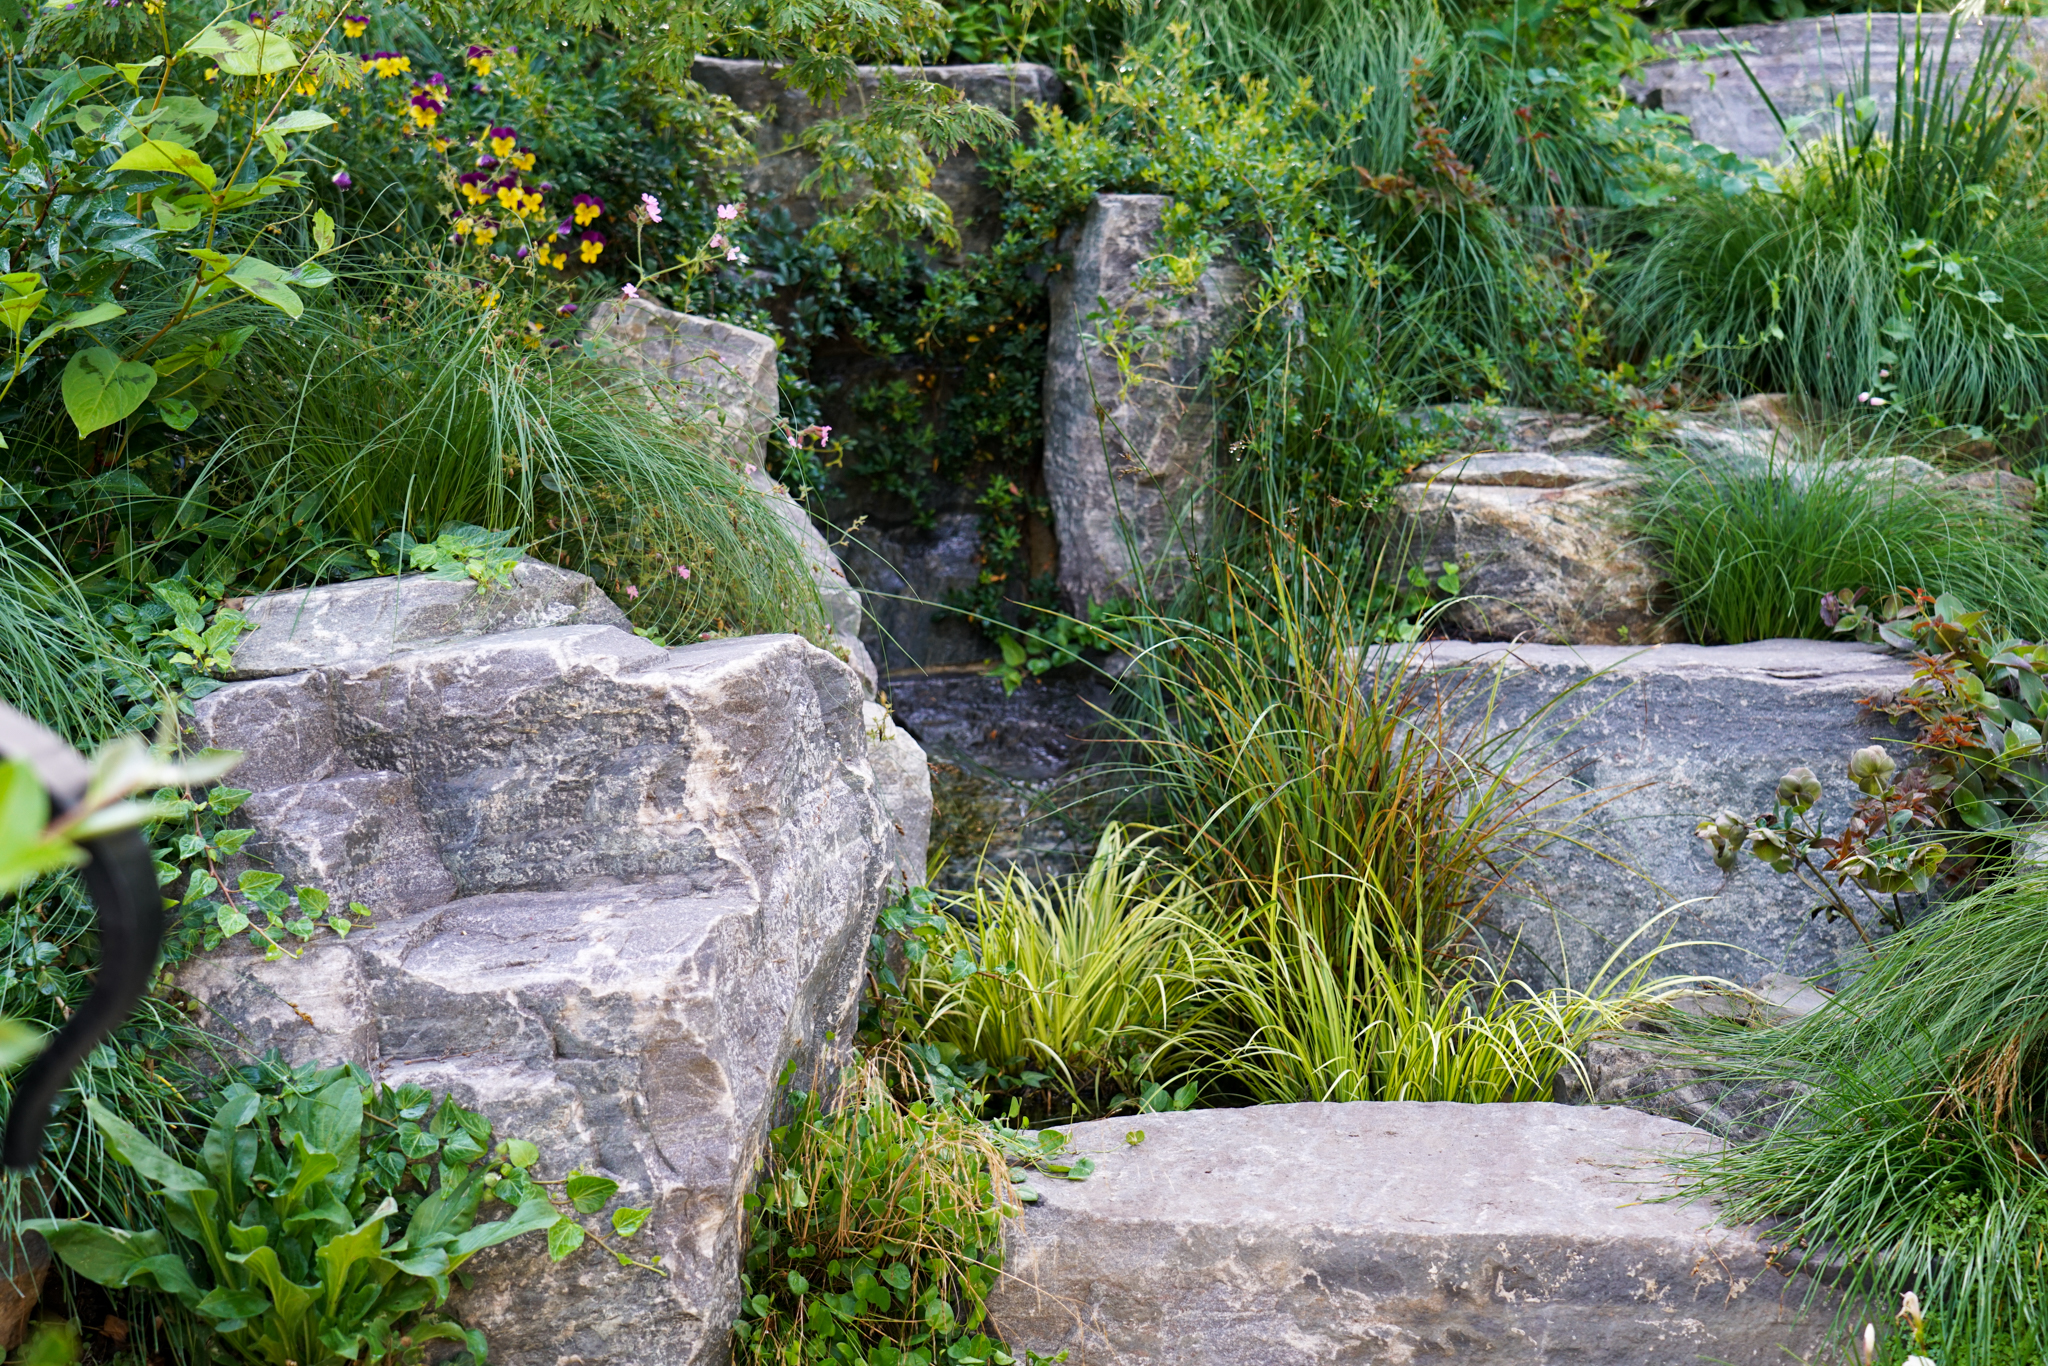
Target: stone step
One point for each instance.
(1392, 1232)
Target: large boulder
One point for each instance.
(618, 891)
(782, 116)
(1632, 748)
(1128, 428)
(725, 378)
(1392, 1232)
(1801, 66)
(1544, 544)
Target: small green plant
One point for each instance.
(877, 1234)
(1080, 995)
(460, 553)
(1062, 642)
(1881, 852)
(306, 1236)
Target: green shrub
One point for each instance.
(1750, 548)
(1896, 263)
(877, 1234)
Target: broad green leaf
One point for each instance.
(155, 154)
(588, 1193)
(178, 413)
(300, 121)
(231, 920)
(172, 218)
(339, 1255)
(627, 1221)
(290, 1299)
(531, 1215)
(222, 1303)
(100, 388)
(261, 280)
(105, 311)
(92, 118)
(521, 1153)
(17, 309)
(218, 1151)
(149, 1161)
(243, 51)
(18, 1043)
(166, 1272)
(323, 231)
(131, 72)
(564, 1237)
(104, 1256)
(180, 119)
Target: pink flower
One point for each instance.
(824, 435)
(653, 207)
(682, 571)
(728, 211)
(717, 242)
(750, 469)
(631, 591)
(629, 291)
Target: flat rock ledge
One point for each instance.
(1393, 1232)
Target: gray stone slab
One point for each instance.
(357, 624)
(1391, 1232)
(1802, 64)
(1642, 744)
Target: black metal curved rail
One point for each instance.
(122, 880)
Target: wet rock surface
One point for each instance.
(1392, 1232)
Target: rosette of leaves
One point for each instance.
(315, 1229)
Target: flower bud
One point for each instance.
(1870, 768)
(1724, 832)
(1798, 789)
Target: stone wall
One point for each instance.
(618, 890)
(782, 115)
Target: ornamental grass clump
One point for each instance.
(1911, 1145)
(1750, 548)
(1093, 990)
(1897, 263)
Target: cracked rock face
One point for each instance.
(1392, 1232)
(1127, 450)
(618, 890)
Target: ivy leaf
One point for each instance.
(627, 1221)
(565, 1235)
(100, 388)
(588, 1193)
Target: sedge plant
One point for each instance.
(1094, 986)
(1908, 1149)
